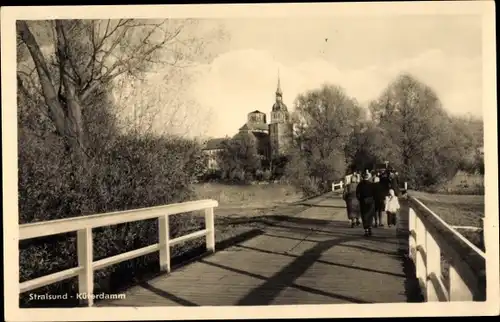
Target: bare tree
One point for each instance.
(162, 104)
(88, 55)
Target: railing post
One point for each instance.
(458, 289)
(85, 259)
(164, 237)
(406, 186)
(210, 227)
(341, 185)
(421, 269)
(433, 253)
(411, 226)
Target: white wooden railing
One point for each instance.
(84, 225)
(430, 237)
(339, 185)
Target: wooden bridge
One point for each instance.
(312, 257)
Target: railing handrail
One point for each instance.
(60, 226)
(429, 237)
(83, 226)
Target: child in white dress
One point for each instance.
(391, 208)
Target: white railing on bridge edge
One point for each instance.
(84, 225)
(340, 185)
(426, 246)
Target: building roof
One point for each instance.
(254, 127)
(214, 144)
(279, 106)
(256, 112)
(241, 135)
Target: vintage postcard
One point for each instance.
(250, 161)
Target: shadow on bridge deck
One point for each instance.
(309, 258)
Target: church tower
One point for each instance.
(280, 129)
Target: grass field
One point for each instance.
(248, 196)
(459, 202)
(463, 184)
(239, 205)
(456, 210)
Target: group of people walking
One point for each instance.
(369, 196)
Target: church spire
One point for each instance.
(278, 90)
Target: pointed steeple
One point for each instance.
(278, 90)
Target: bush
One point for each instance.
(248, 176)
(212, 175)
(259, 174)
(130, 173)
(266, 175)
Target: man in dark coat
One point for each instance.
(385, 181)
(366, 198)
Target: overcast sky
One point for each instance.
(362, 54)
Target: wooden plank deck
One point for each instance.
(313, 257)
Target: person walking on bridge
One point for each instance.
(392, 207)
(351, 201)
(366, 197)
(379, 196)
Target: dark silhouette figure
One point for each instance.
(366, 197)
(394, 184)
(379, 202)
(385, 182)
(351, 201)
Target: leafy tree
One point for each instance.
(410, 114)
(370, 146)
(479, 164)
(239, 157)
(279, 165)
(325, 121)
(468, 138)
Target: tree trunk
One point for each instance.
(73, 121)
(67, 116)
